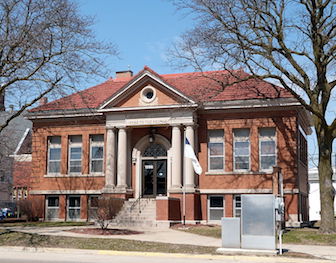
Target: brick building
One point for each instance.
(124, 138)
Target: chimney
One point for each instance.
(2, 101)
(124, 74)
(43, 101)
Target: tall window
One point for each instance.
(216, 150)
(216, 207)
(267, 148)
(75, 154)
(237, 205)
(303, 148)
(241, 149)
(54, 154)
(52, 209)
(96, 153)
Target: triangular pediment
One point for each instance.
(146, 89)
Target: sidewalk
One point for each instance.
(174, 237)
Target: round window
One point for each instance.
(148, 94)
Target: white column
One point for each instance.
(189, 170)
(122, 158)
(176, 165)
(110, 159)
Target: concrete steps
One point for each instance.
(137, 213)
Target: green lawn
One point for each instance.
(34, 240)
(44, 224)
(304, 236)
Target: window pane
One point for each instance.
(216, 134)
(97, 166)
(242, 163)
(76, 153)
(54, 167)
(97, 138)
(54, 139)
(216, 201)
(267, 147)
(267, 132)
(97, 152)
(74, 201)
(216, 148)
(238, 213)
(53, 201)
(242, 148)
(55, 154)
(267, 162)
(241, 132)
(216, 163)
(216, 214)
(75, 166)
(75, 138)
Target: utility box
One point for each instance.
(231, 232)
(258, 222)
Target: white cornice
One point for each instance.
(159, 107)
(124, 90)
(253, 103)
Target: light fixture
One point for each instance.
(151, 137)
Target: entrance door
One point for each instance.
(154, 178)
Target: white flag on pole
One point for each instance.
(189, 153)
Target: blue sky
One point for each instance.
(142, 31)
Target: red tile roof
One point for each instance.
(200, 86)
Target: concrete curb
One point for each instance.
(160, 255)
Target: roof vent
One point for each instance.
(124, 74)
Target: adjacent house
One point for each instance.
(9, 139)
(125, 138)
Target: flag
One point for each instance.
(189, 153)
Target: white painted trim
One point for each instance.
(64, 192)
(156, 107)
(22, 157)
(21, 141)
(245, 191)
(74, 175)
(133, 82)
(235, 191)
(252, 103)
(62, 115)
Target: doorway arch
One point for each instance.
(144, 150)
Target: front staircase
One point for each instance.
(137, 213)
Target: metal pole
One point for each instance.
(184, 205)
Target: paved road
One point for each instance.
(31, 255)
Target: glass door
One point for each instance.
(154, 177)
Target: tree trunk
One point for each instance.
(327, 192)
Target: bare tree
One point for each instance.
(108, 208)
(290, 41)
(46, 46)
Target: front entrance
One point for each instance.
(154, 179)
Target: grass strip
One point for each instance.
(44, 224)
(300, 236)
(35, 240)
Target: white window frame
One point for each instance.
(241, 139)
(74, 207)
(263, 139)
(54, 146)
(216, 140)
(235, 208)
(97, 144)
(215, 208)
(52, 208)
(74, 145)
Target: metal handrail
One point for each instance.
(137, 201)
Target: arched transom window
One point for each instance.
(155, 150)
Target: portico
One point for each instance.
(131, 157)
